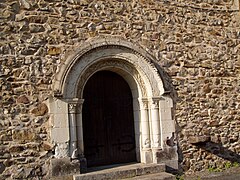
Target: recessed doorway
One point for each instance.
(108, 123)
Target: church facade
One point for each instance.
(92, 83)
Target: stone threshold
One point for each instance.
(126, 171)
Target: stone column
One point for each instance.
(83, 161)
(155, 124)
(73, 131)
(80, 128)
(145, 131)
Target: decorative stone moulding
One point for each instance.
(151, 105)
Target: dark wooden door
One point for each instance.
(108, 125)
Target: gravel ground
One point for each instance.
(229, 174)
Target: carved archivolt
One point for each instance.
(113, 65)
(111, 54)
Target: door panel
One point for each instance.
(108, 125)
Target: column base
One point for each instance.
(147, 156)
(155, 152)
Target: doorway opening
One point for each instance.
(108, 122)
(151, 93)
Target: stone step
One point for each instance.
(157, 176)
(122, 172)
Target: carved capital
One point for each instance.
(75, 106)
(154, 103)
(156, 142)
(146, 143)
(143, 102)
(72, 108)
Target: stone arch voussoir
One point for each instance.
(101, 49)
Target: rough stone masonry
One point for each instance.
(196, 42)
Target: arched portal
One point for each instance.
(151, 106)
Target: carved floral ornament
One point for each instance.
(74, 105)
(143, 103)
(112, 65)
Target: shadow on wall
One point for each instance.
(201, 142)
(212, 147)
(220, 151)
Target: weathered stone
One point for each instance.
(206, 88)
(40, 110)
(23, 135)
(36, 28)
(23, 99)
(215, 139)
(25, 4)
(47, 146)
(223, 140)
(2, 167)
(91, 26)
(61, 167)
(198, 139)
(167, 154)
(213, 123)
(54, 51)
(5, 137)
(28, 51)
(22, 173)
(37, 19)
(19, 17)
(8, 162)
(100, 27)
(16, 149)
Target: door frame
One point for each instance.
(152, 102)
(111, 66)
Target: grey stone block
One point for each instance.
(64, 166)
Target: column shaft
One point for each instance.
(145, 123)
(73, 131)
(155, 122)
(80, 129)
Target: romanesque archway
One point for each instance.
(152, 108)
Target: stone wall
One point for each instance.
(197, 42)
